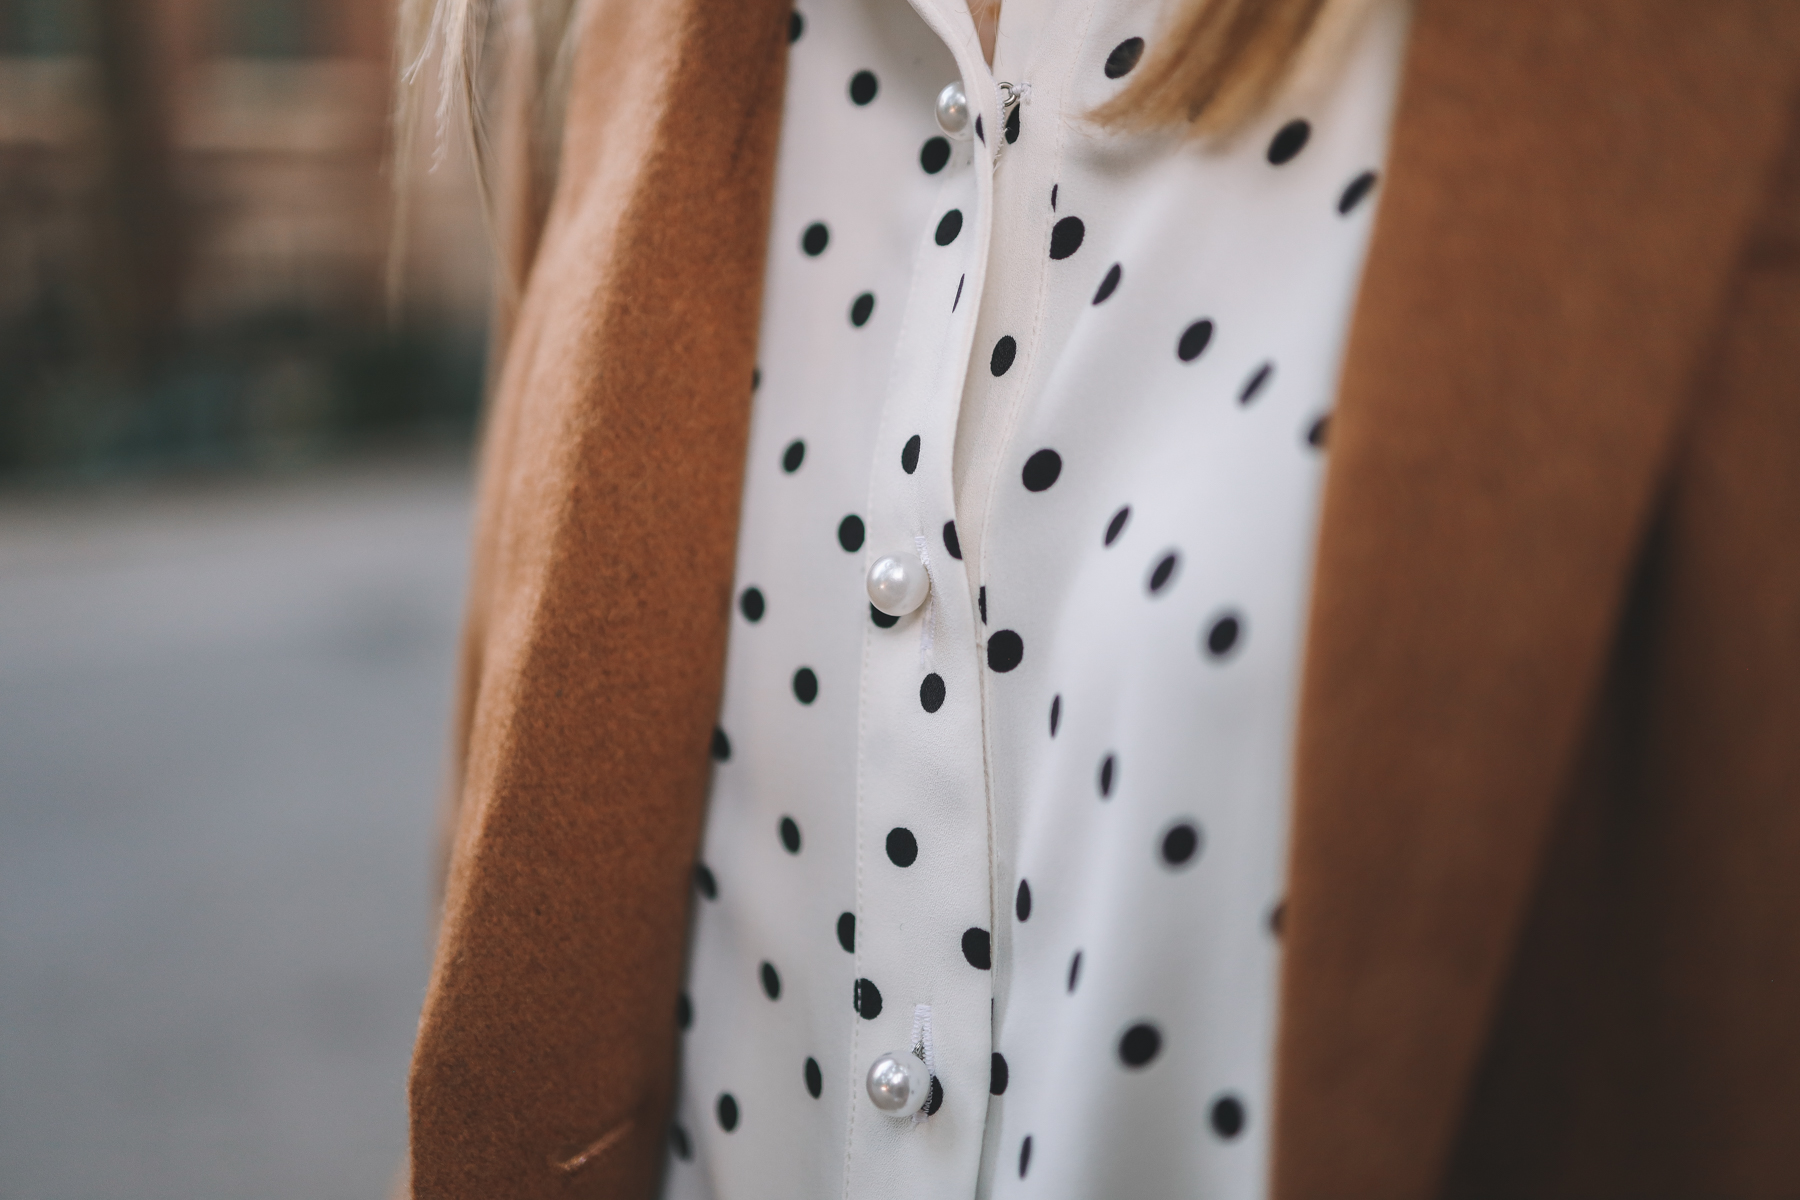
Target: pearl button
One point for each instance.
(898, 584)
(953, 110)
(899, 1084)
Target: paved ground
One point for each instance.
(222, 712)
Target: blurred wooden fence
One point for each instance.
(194, 224)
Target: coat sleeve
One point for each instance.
(593, 654)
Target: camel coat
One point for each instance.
(1543, 928)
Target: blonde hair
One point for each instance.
(1215, 66)
(454, 36)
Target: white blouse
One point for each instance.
(1025, 840)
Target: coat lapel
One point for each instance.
(1566, 189)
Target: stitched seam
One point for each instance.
(595, 1149)
(969, 48)
(998, 905)
(860, 935)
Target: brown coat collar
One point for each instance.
(1568, 189)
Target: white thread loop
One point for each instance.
(928, 618)
(921, 1048)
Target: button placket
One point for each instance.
(922, 801)
(1020, 279)
(922, 806)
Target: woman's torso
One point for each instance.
(1050, 805)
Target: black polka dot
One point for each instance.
(1005, 650)
(703, 879)
(771, 982)
(850, 533)
(976, 949)
(1163, 573)
(1353, 195)
(958, 297)
(678, 1138)
(1193, 340)
(1288, 141)
(1074, 971)
(790, 834)
(793, 456)
(1277, 917)
(1022, 902)
(1124, 56)
(1181, 844)
(863, 86)
(934, 1099)
(1001, 360)
(981, 602)
(997, 1075)
(806, 685)
(861, 309)
(1041, 470)
(1223, 634)
(728, 1111)
(846, 932)
(1024, 1156)
(815, 1078)
(1065, 237)
(980, 133)
(931, 692)
(751, 604)
(1109, 768)
(867, 998)
(1116, 526)
(1139, 1044)
(1055, 713)
(815, 239)
(952, 544)
(902, 846)
(1227, 1116)
(1012, 126)
(796, 26)
(934, 154)
(721, 745)
(1109, 284)
(1318, 431)
(882, 620)
(684, 1011)
(909, 455)
(1255, 383)
(1053, 190)
(949, 225)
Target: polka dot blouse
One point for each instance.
(1020, 830)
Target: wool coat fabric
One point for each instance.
(1542, 936)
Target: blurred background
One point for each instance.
(233, 515)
